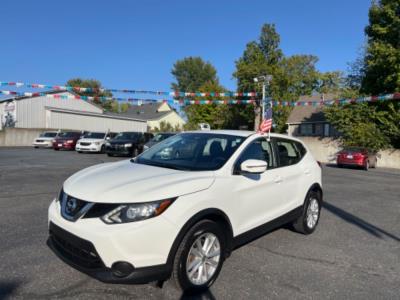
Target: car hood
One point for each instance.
(45, 138)
(127, 182)
(90, 140)
(121, 141)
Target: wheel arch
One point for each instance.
(213, 214)
(316, 187)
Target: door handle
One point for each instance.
(278, 179)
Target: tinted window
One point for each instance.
(192, 151)
(49, 134)
(94, 135)
(69, 134)
(288, 153)
(127, 136)
(259, 149)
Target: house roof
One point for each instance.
(147, 111)
(303, 114)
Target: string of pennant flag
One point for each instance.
(140, 101)
(130, 91)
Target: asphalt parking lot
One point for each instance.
(354, 254)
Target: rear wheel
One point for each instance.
(366, 165)
(199, 257)
(308, 221)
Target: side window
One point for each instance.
(259, 149)
(289, 152)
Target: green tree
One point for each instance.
(382, 57)
(96, 87)
(193, 74)
(292, 76)
(166, 127)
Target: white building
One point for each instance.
(30, 115)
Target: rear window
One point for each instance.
(289, 152)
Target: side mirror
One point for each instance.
(107, 138)
(253, 166)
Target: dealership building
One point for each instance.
(24, 118)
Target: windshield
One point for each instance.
(192, 151)
(161, 136)
(68, 134)
(48, 134)
(127, 136)
(94, 135)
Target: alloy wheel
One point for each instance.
(312, 213)
(203, 258)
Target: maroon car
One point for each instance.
(66, 140)
(358, 157)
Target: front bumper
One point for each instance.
(119, 150)
(66, 146)
(81, 255)
(90, 148)
(93, 247)
(48, 144)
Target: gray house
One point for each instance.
(310, 120)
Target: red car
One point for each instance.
(358, 157)
(66, 140)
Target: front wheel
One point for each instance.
(199, 257)
(308, 221)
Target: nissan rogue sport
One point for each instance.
(178, 209)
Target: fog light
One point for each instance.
(122, 269)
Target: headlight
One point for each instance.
(97, 143)
(126, 213)
(128, 145)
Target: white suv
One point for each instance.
(45, 139)
(93, 142)
(182, 206)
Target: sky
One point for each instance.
(134, 44)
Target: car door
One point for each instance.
(257, 196)
(292, 172)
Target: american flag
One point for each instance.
(266, 124)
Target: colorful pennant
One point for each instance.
(172, 93)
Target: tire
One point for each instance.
(301, 224)
(339, 166)
(56, 149)
(103, 149)
(79, 151)
(366, 165)
(201, 231)
(36, 147)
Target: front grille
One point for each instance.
(85, 144)
(72, 208)
(79, 251)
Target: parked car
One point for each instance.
(94, 142)
(66, 140)
(357, 156)
(127, 143)
(158, 137)
(182, 206)
(45, 139)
